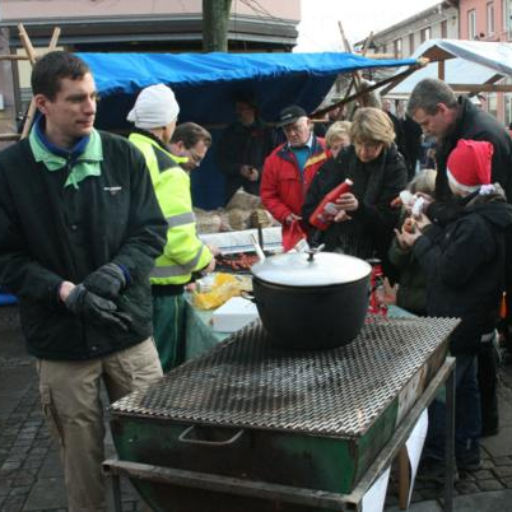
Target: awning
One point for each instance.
(468, 64)
(206, 84)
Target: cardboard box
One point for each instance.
(234, 314)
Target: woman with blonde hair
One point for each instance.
(363, 226)
(337, 137)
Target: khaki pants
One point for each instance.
(72, 407)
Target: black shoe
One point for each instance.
(469, 465)
(434, 470)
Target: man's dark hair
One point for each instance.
(52, 68)
(427, 95)
(190, 134)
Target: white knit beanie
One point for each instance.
(156, 106)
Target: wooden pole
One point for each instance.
(13, 57)
(441, 69)
(25, 40)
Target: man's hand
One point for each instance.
(250, 173)
(405, 239)
(107, 281)
(66, 287)
(254, 174)
(80, 301)
(213, 249)
(211, 266)
(347, 202)
(292, 217)
(422, 222)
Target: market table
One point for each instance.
(147, 423)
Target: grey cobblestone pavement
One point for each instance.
(31, 478)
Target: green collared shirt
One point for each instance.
(86, 164)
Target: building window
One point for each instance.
(397, 47)
(411, 43)
(426, 34)
(490, 18)
(444, 29)
(472, 24)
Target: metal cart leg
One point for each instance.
(116, 491)
(450, 442)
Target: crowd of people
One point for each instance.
(98, 237)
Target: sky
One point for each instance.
(318, 30)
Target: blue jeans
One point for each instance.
(468, 423)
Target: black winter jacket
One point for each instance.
(50, 233)
(464, 264)
(376, 184)
(244, 145)
(473, 123)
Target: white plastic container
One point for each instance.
(234, 314)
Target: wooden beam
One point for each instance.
(9, 136)
(481, 87)
(401, 76)
(25, 40)
(13, 57)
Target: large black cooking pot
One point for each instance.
(311, 301)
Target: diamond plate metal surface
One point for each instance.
(246, 382)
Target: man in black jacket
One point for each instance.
(434, 106)
(243, 147)
(79, 231)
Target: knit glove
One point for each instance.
(80, 301)
(107, 281)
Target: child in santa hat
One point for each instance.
(464, 262)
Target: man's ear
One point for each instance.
(41, 102)
(441, 107)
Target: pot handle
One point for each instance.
(184, 438)
(248, 295)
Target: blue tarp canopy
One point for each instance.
(205, 84)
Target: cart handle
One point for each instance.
(185, 439)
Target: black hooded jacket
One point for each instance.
(464, 264)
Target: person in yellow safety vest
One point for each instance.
(154, 114)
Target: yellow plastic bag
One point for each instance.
(224, 287)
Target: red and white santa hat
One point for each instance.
(469, 164)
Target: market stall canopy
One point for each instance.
(206, 84)
(469, 64)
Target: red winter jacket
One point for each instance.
(283, 188)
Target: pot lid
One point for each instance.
(299, 269)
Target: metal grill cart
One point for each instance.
(251, 427)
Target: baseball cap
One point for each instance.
(290, 114)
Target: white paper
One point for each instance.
(414, 447)
(375, 496)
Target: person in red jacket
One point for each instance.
(290, 168)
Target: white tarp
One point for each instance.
(475, 62)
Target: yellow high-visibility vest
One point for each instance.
(184, 252)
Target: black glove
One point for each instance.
(96, 308)
(107, 281)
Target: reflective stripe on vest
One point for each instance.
(176, 270)
(179, 220)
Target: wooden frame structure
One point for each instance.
(31, 57)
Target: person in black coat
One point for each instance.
(363, 226)
(441, 114)
(464, 263)
(243, 147)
